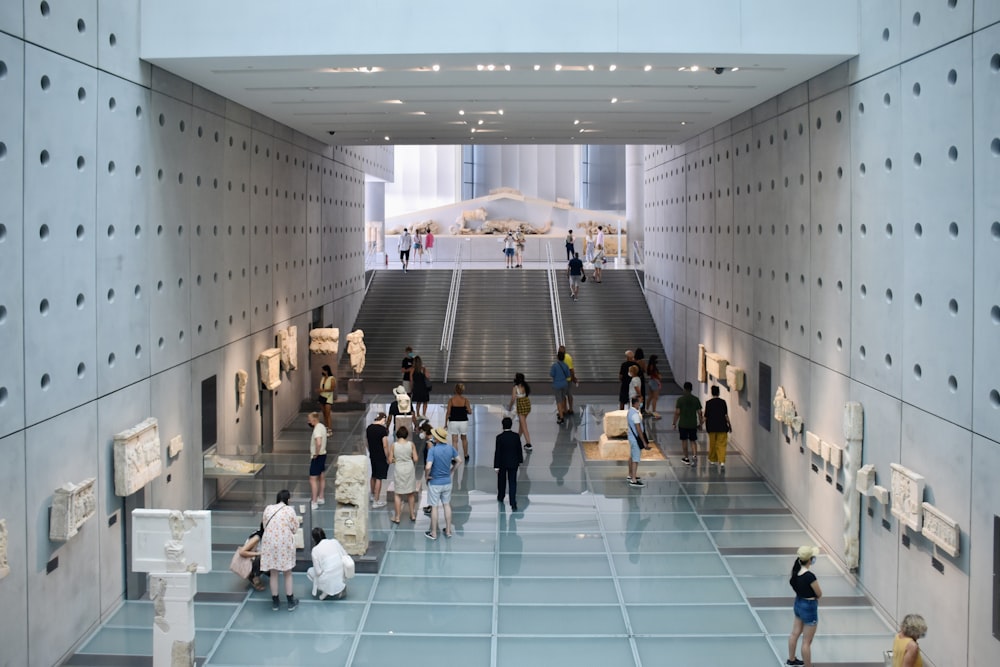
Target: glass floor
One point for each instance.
(691, 569)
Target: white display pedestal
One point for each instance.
(172, 594)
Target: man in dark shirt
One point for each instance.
(624, 379)
(506, 458)
(407, 370)
(688, 417)
(718, 427)
(575, 275)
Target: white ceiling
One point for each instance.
(401, 99)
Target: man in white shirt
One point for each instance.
(327, 572)
(600, 237)
(317, 461)
(405, 243)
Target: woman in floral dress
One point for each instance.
(277, 547)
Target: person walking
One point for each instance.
(418, 245)
(653, 385)
(327, 572)
(509, 248)
(421, 388)
(636, 440)
(407, 370)
(806, 608)
(277, 547)
(520, 399)
(718, 428)
(575, 272)
(573, 382)
(905, 649)
(441, 461)
(624, 380)
(317, 460)
(598, 263)
(570, 247)
(456, 419)
(377, 437)
(560, 381)
(588, 246)
(429, 244)
(507, 457)
(519, 248)
(405, 242)
(327, 394)
(688, 417)
(403, 454)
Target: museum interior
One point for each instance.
(202, 204)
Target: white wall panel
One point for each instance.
(942, 453)
(60, 143)
(794, 277)
(314, 219)
(936, 157)
(986, 233)
(260, 229)
(236, 220)
(60, 450)
(876, 240)
(928, 24)
(880, 37)
(67, 27)
(173, 395)
(14, 591)
(830, 246)
(123, 237)
(12, 18)
(723, 217)
(118, 41)
(11, 234)
(767, 212)
(985, 13)
(824, 415)
(744, 224)
(984, 649)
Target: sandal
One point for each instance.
(413, 517)
(394, 520)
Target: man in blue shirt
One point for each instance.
(560, 374)
(441, 460)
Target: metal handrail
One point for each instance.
(448, 333)
(639, 262)
(557, 323)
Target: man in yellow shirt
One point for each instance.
(573, 382)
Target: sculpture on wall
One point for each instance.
(422, 227)
(72, 505)
(735, 378)
(702, 368)
(175, 446)
(269, 362)
(324, 341)
(137, 457)
(350, 523)
(241, 388)
(865, 479)
(356, 348)
(907, 496)
(785, 411)
(288, 343)
(4, 566)
(849, 459)
(715, 365)
(941, 529)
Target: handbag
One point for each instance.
(583, 278)
(348, 566)
(241, 565)
(641, 440)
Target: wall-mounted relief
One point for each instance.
(907, 496)
(702, 369)
(288, 343)
(735, 378)
(880, 494)
(785, 411)
(854, 421)
(941, 529)
(865, 479)
(836, 455)
(137, 457)
(824, 451)
(356, 348)
(4, 567)
(269, 363)
(72, 505)
(175, 446)
(241, 388)
(715, 365)
(324, 341)
(813, 443)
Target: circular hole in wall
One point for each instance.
(3, 314)
(111, 167)
(159, 285)
(43, 307)
(840, 228)
(862, 352)
(81, 93)
(918, 300)
(819, 336)
(819, 282)
(917, 159)
(112, 40)
(888, 296)
(3, 396)
(864, 229)
(953, 230)
(160, 342)
(840, 344)
(916, 18)
(80, 300)
(918, 230)
(888, 230)
(952, 383)
(953, 154)
(840, 286)
(887, 99)
(819, 123)
(994, 314)
(995, 146)
(952, 77)
(953, 306)
(885, 35)
(45, 82)
(81, 26)
(81, 370)
(111, 360)
(995, 62)
(864, 290)
(46, 381)
(137, 291)
(863, 169)
(888, 164)
(138, 112)
(819, 176)
(994, 398)
(917, 371)
(111, 295)
(861, 107)
(44, 8)
(995, 230)
(159, 174)
(138, 351)
(888, 360)
(80, 231)
(43, 157)
(916, 89)
(80, 162)
(161, 119)
(180, 335)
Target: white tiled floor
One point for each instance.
(588, 572)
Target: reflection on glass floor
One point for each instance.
(691, 569)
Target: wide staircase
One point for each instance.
(400, 309)
(503, 325)
(608, 318)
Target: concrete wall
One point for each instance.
(152, 235)
(845, 233)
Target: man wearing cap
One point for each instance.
(441, 461)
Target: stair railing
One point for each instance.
(638, 263)
(451, 312)
(557, 323)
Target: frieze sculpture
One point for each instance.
(137, 457)
(72, 505)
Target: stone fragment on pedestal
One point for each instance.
(350, 527)
(612, 448)
(616, 423)
(352, 480)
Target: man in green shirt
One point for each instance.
(688, 417)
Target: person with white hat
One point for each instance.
(441, 461)
(806, 608)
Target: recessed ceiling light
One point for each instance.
(590, 67)
(576, 122)
(480, 121)
(500, 111)
(491, 67)
(694, 68)
(507, 67)
(735, 69)
(387, 137)
(683, 122)
(461, 112)
(538, 67)
(612, 68)
(473, 130)
(681, 69)
(647, 68)
(558, 67)
(479, 67)
(614, 100)
(436, 68)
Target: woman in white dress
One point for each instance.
(277, 547)
(404, 455)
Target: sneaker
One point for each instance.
(321, 501)
(427, 510)
(371, 497)
(275, 603)
(292, 603)
(722, 466)
(794, 661)
(379, 503)
(636, 482)
(430, 536)
(686, 461)
(314, 506)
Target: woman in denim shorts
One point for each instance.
(807, 595)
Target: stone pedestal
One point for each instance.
(612, 448)
(355, 390)
(350, 522)
(173, 618)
